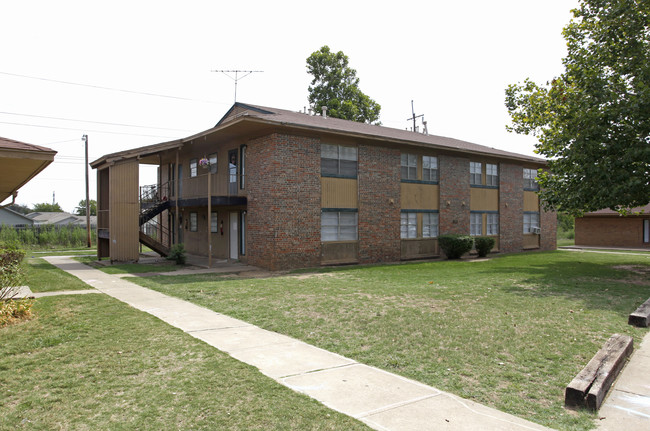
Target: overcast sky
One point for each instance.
(454, 59)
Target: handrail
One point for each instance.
(157, 231)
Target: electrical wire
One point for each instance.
(93, 122)
(86, 130)
(100, 87)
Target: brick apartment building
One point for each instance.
(281, 189)
(607, 228)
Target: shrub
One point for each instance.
(454, 246)
(484, 245)
(177, 254)
(11, 311)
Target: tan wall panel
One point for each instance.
(484, 199)
(339, 252)
(339, 193)
(531, 201)
(531, 241)
(419, 248)
(124, 210)
(416, 196)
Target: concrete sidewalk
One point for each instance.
(627, 406)
(381, 400)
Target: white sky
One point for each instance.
(453, 58)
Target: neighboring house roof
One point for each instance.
(244, 118)
(609, 212)
(19, 163)
(12, 218)
(60, 218)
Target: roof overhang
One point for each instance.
(18, 165)
(146, 155)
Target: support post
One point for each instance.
(85, 139)
(209, 218)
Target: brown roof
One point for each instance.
(607, 211)
(244, 117)
(10, 144)
(336, 125)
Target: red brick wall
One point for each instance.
(379, 204)
(614, 231)
(454, 195)
(511, 204)
(283, 185)
(548, 223)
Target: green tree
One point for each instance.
(593, 121)
(20, 209)
(45, 207)
(336, 86)
(80, 210)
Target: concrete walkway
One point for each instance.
(382, 400)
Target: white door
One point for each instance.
(234, 216)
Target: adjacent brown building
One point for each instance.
(607, 228)
(281, 189)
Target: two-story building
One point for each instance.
(281, 189)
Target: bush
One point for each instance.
(454, 246)
(11, 311)
(484, 245)
(177, 254)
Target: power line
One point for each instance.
(93, 122)
(86, 130)
(101, 87)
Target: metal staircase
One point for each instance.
(153, 201)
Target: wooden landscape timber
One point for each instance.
(589, 387)
(641, 317)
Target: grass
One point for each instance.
(129, 268)
(91, 362)
(41, 276)
(510, 332)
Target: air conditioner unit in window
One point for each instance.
(536, 230)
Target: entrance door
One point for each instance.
(234, 250)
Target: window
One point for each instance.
(338, 161)
(409, 167)
(214, 222)
(212, 159)
(529, 179)
(338, 225)
(242, 167)
(491, 175)
(475, 173)
(492, 224)
(193, 168)
(194, 222)
(646, 230)
(429, 168)
(430, 225)
(531, 222)
(409, 225)
(476, 224)
(242, 234)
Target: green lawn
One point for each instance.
(41, 276)
(90, 362)
(130, 268)
(510, 332)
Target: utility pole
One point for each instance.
(237, 78)
(85, 139)
(414, 116)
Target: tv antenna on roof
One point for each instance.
(237, 77)
(414, 117)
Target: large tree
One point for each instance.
(45, 207)
(80, 210)
(336, 86)
(593, 121)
